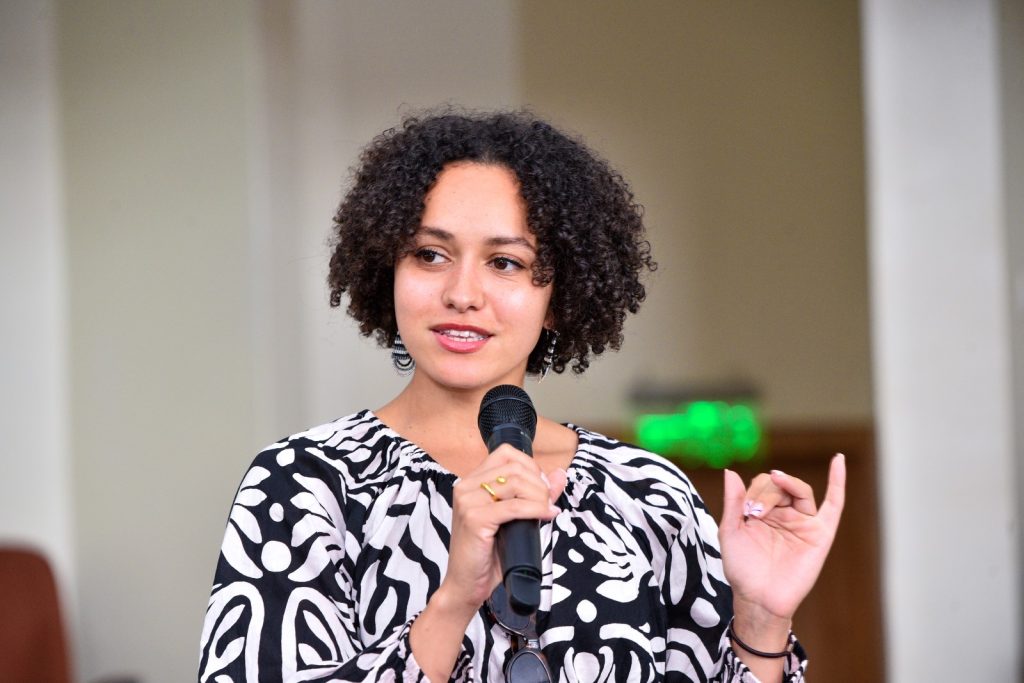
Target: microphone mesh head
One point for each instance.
(506, 404)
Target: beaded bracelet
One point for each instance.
(759, 653)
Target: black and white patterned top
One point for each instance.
(339, 535)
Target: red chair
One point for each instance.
(33, 648)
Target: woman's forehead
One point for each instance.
(481, 200)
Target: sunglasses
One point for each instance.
(528, 664)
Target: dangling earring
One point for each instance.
(549, 355)
(400, 357)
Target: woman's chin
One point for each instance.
(465, 379)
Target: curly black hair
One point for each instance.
(589, 228)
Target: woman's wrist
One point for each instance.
(750, 649)
(760, 629)
(451, 606)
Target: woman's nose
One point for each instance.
(464, 290)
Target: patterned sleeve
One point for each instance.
(699, 602)
(283, 605)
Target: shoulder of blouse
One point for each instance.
(358, 446)
(598, 453)
(628, 477)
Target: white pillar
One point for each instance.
(35, 501)
(941, 316)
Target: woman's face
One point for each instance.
(465, 302)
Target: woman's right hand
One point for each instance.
(522, 491)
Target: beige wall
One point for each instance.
(154, 109)
(739, 126)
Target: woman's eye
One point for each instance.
(506, 264)
(428, 256)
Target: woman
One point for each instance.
(480, 249)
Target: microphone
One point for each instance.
(507, 416)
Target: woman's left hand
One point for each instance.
(775, 539)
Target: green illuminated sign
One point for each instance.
(713, 432)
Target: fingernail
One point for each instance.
(555, 510)
(753, 509)
(779, 472)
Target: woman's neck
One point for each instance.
(443, 422)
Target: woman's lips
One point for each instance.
(461, 339)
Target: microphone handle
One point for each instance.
(512, 434)
(518, 541)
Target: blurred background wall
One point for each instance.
(168, 178)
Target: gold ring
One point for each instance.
(502, 479)
(487, 487)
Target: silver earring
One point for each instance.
(400, 357)
(549, 354)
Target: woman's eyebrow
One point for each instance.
(497, 241)
(510, 241)
(436, 233)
